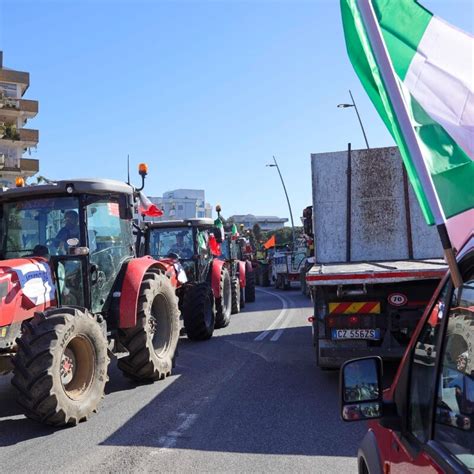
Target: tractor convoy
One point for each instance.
(82, 279)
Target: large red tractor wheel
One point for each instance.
(61, 366)
(152, 342)
(224, 303)
(249, 283)
(199, 315)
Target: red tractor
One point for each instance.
(203, 282)
(241, 271)
(72, 292)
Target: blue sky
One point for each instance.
(204, 92)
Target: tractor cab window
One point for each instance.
(226, 248)
(38, 227)
(110, 245)
(178, 241)
(454, 424)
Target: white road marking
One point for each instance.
(276, 322)
(171, 438)
(12, 418)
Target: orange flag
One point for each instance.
(270, 242)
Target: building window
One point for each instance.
(180, 207)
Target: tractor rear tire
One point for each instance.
(224, 303)
(152, 342)
(199, 315)
(242, 298)
(61, 366)
(249, 284)
(265, 276)
(235, 295)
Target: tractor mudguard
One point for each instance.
(242, 278)
(216, 277)
(130, 292)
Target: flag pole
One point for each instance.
(396, 99)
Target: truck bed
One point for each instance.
(375, 272)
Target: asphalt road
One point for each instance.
(249, 400)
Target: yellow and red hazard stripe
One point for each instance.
(361, 307)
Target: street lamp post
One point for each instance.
(275, 165)
(344, 106)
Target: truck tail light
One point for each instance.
(354, 320)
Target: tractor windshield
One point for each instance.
(177, 240)
(38, 226)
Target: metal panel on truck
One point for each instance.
(379, 220)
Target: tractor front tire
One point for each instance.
(224, 303)
(199, 315)
(60, 369)
(153, 341)
(249, 284)
(235, 295)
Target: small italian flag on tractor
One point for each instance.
(201, 241)
(219, 227)
(235, 232)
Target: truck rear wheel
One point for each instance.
(198, 312)
(235, 295)
(153, 341)
(224, 303)
(249, 283)
(61, 366)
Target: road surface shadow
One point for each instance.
(250, 397)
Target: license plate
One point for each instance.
(373, 334)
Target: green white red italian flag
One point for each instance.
(432, 64)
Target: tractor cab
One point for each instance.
(83, 228)
(186, 241)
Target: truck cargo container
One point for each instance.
(377, 263)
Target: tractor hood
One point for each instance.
(26, 286)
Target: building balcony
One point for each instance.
(28, 167)
(23, 137)
(10, 107)
(15, 77)
(29, 135)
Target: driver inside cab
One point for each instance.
(70, 230)
(180, 247)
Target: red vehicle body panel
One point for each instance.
(136, 270)
(242, 279)
(15, 305)
(394, 456)
(216, 277)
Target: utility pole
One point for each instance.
(275, 165)
(344, 106)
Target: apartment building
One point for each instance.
(15, 138)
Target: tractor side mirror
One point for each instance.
(361, 389)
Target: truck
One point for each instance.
(376, 262)
(286, 266)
